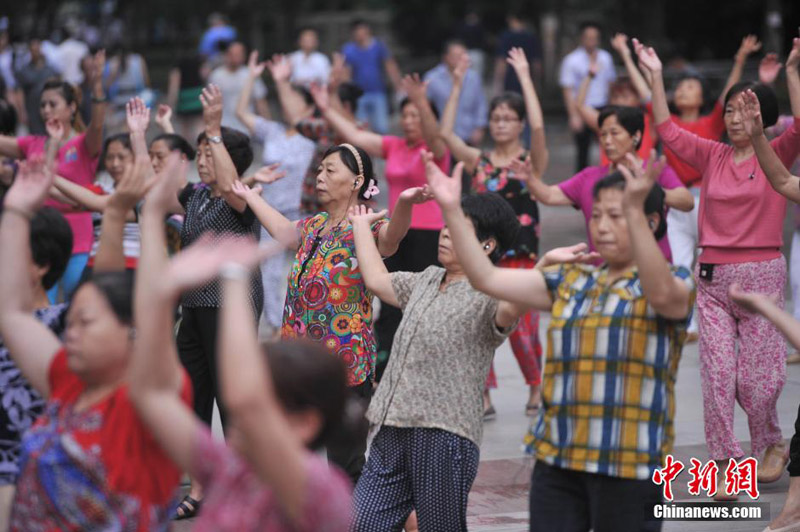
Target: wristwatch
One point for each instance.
(95, 99)
(216, 139)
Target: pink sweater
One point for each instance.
(741, 216)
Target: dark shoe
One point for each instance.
(187, 509)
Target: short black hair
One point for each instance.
(303, 29)
(511, 99)
(122, 138)
(8, 117)
(359, 22)
(117, 288)
(406, 101)
(630, 118)
(452, 42)
(350, 93)
(305, 93)
(766, 99)
(586, 24)
(51, 244)
(492, 217)
(694, 76)
(176, 142)
(655, 201)
(307, 376)
(238, 146)
(350, 162)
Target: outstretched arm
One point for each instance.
(94, 130)
(391, 234)
(620, 43)
(539, 154)
(461, 150)
(417, 91)
(649, 61)
(539, 190)
(292, 104)
(750, 45)
(793, 77)
(589, 114)
(223, 165)
(373, 270)
(243, 113)
(277, 225)
(368, 141)
(31, 344)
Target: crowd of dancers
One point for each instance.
(106, 401)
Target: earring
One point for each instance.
(652, 224)
(487, 246)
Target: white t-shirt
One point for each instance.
(231, 85)
(575, 67)
(308, 69)
(70, 53)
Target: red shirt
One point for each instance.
(98, 469)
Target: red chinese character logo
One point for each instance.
(741, 477)
(704, 477)
(667, 474)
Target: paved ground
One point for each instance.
(499, 499)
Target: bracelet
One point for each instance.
(95, 99)
(233, 271)
(19, 212)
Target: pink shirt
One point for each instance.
(405, 169)
(74, 163)
(741, 216)
(580, 187)
(237, 500)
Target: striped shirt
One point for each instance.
(609, 380)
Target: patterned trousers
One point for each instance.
(756, 374)
(524, 339)
(427, 470)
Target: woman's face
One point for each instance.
(335, 181)
(117, 160)
(624, 98)
(608, 227)
(734, 124)
(54, 105)
(98, 345)
(159, 151)
(411, 122)
(615, 140)
(505, 125)
(689, 94)
(205, 164)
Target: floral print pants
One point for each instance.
(755, 374)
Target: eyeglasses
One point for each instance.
(504, 119)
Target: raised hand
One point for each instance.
(31, 187)
(416, 195)
(338, 71)
(619, 42)
(462, 67)
(95, 72)
(446, 190)
(750, 45)
(164, 116)
(269, 174)
(793, 60)
(594, 65)
(211, 98)
(647, 57)
(516, 58)
(750, 109)
(280, 68)
(750, 301)
(768, 69)
(134, 184)
(137, 115)
(364, 216)
(244, 192)
(639, 181)
(55, 129)
(254, 68)
(414, 87)
(320, 95)
(569, 255)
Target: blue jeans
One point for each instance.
(373, 108)
(71, 278)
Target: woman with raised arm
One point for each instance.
(492, 171)
(632, 311)
(77, 153)
(50, 246)
(286, 148)
(404, 169)
(741, 234)
(81, 463)
(326, 300)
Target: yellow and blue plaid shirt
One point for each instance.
(609, 377)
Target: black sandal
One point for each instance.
(187, 509)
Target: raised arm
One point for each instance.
(368, 141)
(793, 77)
(94, 130)
(521, 287)
(589, 114)
(164, 119)
(767, 306)
(620, 43)
(224, 168)
(750, 45)
(538, 189)
(373, 270)
(679, 198)
(539, 154)
(417, 91)
(31, 344)
(391, 234)
(292, 104)
(778, 175)
(648, 60)
(243, 113)
(460, 149)
(668, 295)
(277, 225)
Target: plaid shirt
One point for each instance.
(609, 380)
